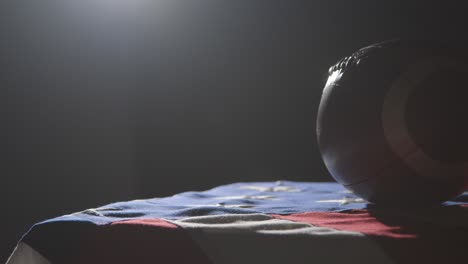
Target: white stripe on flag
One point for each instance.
(260, 238)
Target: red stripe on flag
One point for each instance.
(354, 220)
(424, 241)
(146, 222)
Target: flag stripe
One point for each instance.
(354, 220)
(261, 238)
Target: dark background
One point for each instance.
(110, 100)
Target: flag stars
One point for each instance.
(279, 188)
(248, 197)
(344, 201)
(234, 205)
(97, 211)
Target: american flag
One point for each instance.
(260, 222)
